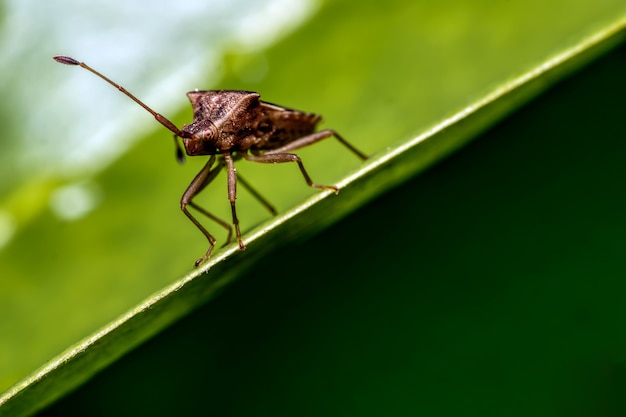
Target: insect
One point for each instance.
(229, 125)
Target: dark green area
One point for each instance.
(493, 284)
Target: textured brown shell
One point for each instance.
(242, 121)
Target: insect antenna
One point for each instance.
(160, 118)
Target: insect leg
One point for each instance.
(313, 138)
(204, 177)
(256, 195)
(271, 157)
(232, 194)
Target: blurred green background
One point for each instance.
(465, 290)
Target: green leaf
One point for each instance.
(408, 93)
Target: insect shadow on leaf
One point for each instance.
(229, 125)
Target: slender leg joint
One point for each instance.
(232, 195)
(204, 177)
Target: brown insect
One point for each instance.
(229, 125)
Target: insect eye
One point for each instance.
(209, 133)
(202, 130)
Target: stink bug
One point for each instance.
(229, 125)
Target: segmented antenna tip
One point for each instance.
(66, 60)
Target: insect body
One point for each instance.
(229, 125)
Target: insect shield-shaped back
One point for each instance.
(221, 119)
